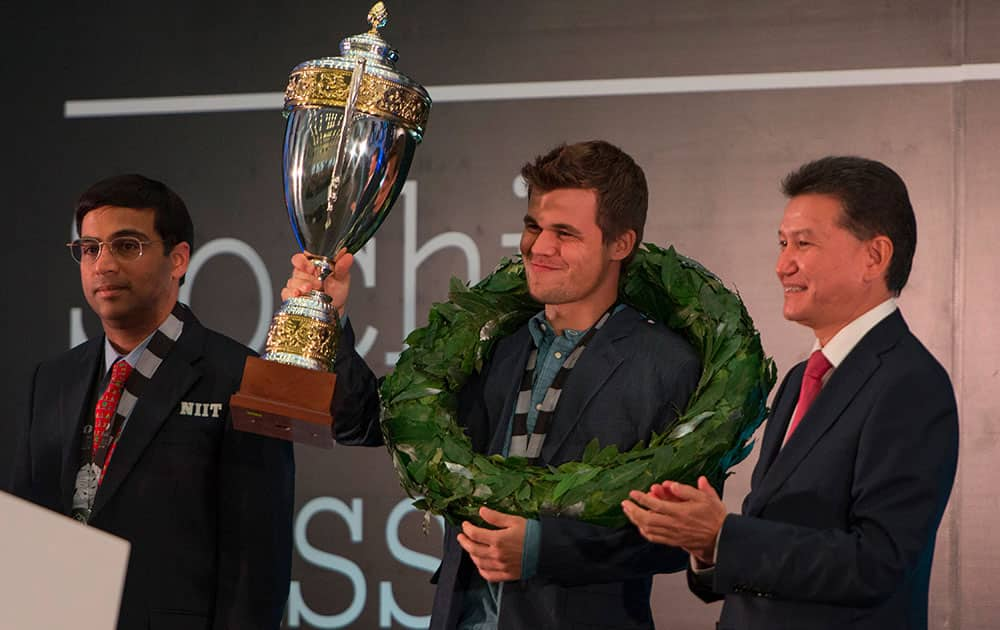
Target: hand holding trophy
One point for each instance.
(353, 124)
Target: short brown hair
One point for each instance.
(620, 184)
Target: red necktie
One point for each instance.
(106, 406)
(812, 381)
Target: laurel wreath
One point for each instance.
(434, 457)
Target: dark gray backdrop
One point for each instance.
(713, 158)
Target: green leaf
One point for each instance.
(524, 492)
(457, 452)
(575, 479)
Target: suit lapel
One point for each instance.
(74, 406)
(599, 361)
(502, 388)
(777, 424)
(175, 376)
(844, 384)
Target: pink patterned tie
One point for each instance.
(104, 412)
(817, 366)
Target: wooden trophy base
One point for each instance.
(285, 401)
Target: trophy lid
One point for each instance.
(384, 92)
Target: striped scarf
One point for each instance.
(521, 444)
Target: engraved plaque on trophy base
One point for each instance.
(285, 401)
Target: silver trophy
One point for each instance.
(353, 124)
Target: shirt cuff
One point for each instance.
(530, 552)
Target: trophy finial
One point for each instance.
(377, 17)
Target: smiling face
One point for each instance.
(568, 265)
(829, 276)
(131, 297)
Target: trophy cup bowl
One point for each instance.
(352, 126)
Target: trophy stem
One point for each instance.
(316, 294)
(325, 269)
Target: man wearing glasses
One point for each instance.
(130, 431)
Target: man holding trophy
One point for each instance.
(586, 212)
(353, 125)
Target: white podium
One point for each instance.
(56, 572)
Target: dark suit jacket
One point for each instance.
(207, 509)
(631, 380)
(838, 529)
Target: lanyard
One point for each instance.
(90, 475)
(521, 444)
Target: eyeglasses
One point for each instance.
(122, 247)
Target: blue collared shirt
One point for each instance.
(111, 355)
